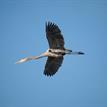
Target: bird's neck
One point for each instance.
(39, 56)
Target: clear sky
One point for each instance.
(81, 81)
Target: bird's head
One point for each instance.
(23, 60)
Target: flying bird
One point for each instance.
(56, 50)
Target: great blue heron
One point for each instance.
(55, 52)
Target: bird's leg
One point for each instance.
(67, 51)
(77, 53)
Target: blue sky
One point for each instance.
(81, 81)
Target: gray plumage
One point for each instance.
(56, 50)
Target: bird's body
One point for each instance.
(55, 52)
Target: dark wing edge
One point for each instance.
(54, 36)
(52, 65)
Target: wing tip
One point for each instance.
(48, 74)
(51, 25)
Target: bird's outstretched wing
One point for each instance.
(54, 36)
(52, 65)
